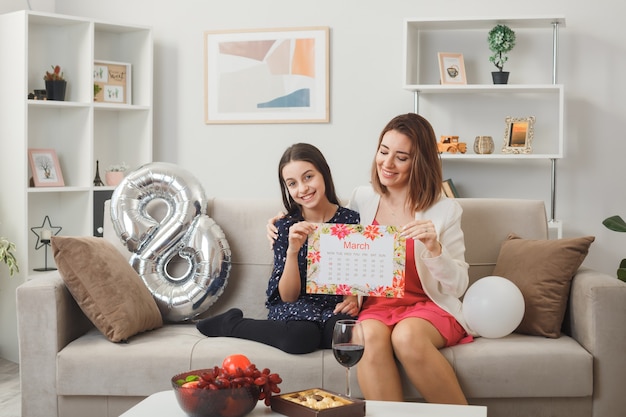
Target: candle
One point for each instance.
(46, 234)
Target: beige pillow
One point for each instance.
(105, 286)
(543, 271)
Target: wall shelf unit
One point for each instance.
(79, 129)
(479, 107)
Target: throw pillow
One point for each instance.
(543, 271)
(105, 286)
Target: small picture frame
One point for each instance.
(449, 190)
(45, 168)
(518, 135)
(452, 68)
(112, 82)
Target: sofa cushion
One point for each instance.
(150, 359)
(542, 270)
(105, 286)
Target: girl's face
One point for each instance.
(304, 183)
(393, 160)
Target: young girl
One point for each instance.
(297, 322)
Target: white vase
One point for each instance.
(113, 178)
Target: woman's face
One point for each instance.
(393, 160)
(304, 183)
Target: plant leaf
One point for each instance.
(615, 223)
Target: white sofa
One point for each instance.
(69, 369)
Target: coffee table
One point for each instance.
(164, 404)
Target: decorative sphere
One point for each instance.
(493, 307)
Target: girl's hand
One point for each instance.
(298, 234)
(424, 231)
(272, 231)
(349, 306)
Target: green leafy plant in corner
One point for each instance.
(6, 255)
(501, 40)
(617, 224)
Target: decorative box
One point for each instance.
(316, 402)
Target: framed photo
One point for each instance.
(452, 68)
(45, 167)
(518, 135)
(449, 189)
(267, 76)
(112, 82)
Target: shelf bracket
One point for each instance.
(416, 102)
(555, 50)
(553, 190)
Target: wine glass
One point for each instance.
(348, 345)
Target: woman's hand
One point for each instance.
(424, 231)
(349, 306)
(272, 231)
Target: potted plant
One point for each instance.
(501, 40)
(6, 255)
(115, 174)
(55, 84)
(616, 224)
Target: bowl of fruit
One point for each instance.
(231, 390)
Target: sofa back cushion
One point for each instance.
(243, 222)
(487, 222)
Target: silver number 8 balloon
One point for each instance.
(181, 255)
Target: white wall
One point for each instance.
(366, 80)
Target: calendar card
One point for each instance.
(356, 259)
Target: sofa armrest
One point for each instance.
(48, 319)
(597, 308)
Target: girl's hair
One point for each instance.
(308, 153)
(426, 177)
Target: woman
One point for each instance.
(406, 191)
(297, 322)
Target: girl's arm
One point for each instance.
(290, 286)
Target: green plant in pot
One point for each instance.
(501, 41)
(7, 256)
(617, 224)
(55, 84)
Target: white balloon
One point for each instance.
(493, 307)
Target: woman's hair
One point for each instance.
(308, 153)
(426, 177)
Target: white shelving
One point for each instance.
(479, 108)
(80, 130)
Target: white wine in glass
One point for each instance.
(348, 346)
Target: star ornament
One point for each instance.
(46, 225)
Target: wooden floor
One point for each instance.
(9, 389)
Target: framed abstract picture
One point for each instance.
(267, 76)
